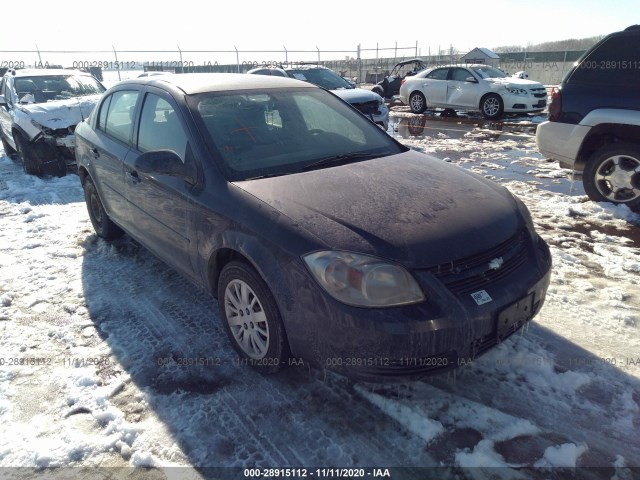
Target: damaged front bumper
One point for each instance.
(61, 139)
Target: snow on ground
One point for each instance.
(109, 358)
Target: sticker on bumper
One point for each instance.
(481, 297)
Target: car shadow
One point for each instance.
(166, 340)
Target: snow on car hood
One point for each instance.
(356, 95)
(61, 113)
(408, 207)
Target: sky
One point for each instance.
(296, 25)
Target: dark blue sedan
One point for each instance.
(321, 236)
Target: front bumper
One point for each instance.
(448, 330)
(523, 103)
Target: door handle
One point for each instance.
(133, 175)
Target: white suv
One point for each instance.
(594, 120)
(39, 110)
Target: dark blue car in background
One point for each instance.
(321, 236)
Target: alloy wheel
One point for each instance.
(247, 319)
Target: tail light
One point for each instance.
(402, 81)
(555, 105)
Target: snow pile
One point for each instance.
(416, 422)
(565, 455)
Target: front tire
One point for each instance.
(612, 174)
(39, 158)
(8, 149)
(492, 106)
(251, 318)
(417, 102)
(101, 222)
(27, 154)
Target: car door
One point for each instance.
(462, 88)
(434, 87)
(160, 205)
(110, 145)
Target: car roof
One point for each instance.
(45, 72)
(191, 83)
(412, 60)
(308, 67)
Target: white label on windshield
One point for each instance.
(300, 76)
(481, 297)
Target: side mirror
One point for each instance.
(470, 80)
(164, 162)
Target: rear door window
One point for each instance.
(614, 62)
(119, 116)
(438, 74)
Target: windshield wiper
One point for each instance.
(266, 175)
(340, 159)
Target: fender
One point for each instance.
(611, 116)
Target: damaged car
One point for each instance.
(39, 111)
(472, 88)
(370, 104)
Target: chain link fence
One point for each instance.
(364, 65)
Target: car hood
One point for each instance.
(410, 208)
(61, 113)
(517, 82)
(356, 95)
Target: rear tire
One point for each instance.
(612, 174)
(101, 222)
(251, 318)
(417, 102)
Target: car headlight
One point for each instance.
(40, 127)
(517, 91)
(363, 280)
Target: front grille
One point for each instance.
(539, 92)
(368, 108)
(474, 273)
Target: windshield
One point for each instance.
(39, 89)
(323, 77)
(281, 131)
(488, 72)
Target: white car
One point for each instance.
(472, 88)
(39, 111)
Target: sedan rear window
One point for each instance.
(277, 132)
